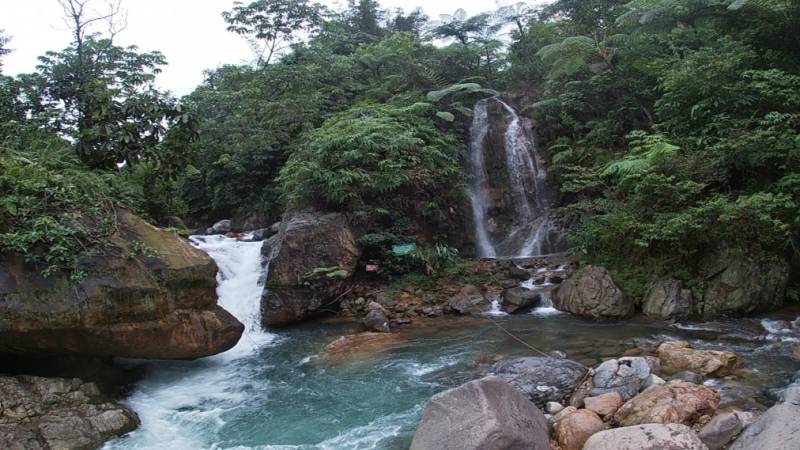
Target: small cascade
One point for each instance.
(508, 189)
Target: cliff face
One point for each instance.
(150, 295)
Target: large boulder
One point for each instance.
(519, 299)
(678, 356)
(159, 303)
(625, 376)
(591, 292)
(667, 300)
(777, 429)
(470, 300)
(307, 261)
(723, 428)
(676, 402)
(742, 283)
(58, 413)
(485, 414)
(650, 436)
(541, 379)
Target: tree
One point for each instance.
(3, 49)
(271, 26)
(463, 28)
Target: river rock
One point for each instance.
(626, 376)
(376, 319)
(742, 283)
(305, 242)
(541, 379)
(518, 273)
(575, 429)
(777, 429)
(678, 356)
(605, 404)
(58, 413)
(591, 292)
(221, 227)
(156, 304)
(722, 429)
(359, 346)
(470, 300)
(519, 299)
(485, 414)
(667, 300)
(650, 436)
(677, 402)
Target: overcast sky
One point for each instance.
(190, 33)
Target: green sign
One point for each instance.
(404, 249)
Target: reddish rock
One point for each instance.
(678, 402)
(573, 430)
(678, 357)
(604, 405)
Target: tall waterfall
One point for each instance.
(510, 198)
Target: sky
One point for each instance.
(190, 33)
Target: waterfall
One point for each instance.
(510, 205)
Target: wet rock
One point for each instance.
(470, 300)
(485, 414)
(306, 242)
(358, 346)
(646, 437)
(742, 283)
(687, 376)
(221, 227)
(677, 402)
(518, 273)
(667, 300)
(777, 429)
(162, 304)
(591, 292)
(519, 299)
(376, 320)
(626, 376)
(575, 429)
(541, 379)
(722, 429)
(678, 356)
(605, 404)
(58, 413)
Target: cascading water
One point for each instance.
(510, 199)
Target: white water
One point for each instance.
(179, 401)
(528, 198)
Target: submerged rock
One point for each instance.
(740, 283)
(356, 346)
(541, 379)
(646, 437)
(591, 292)
(626, 376)
(470, 300)
(519, 299)
(678, 402)
(485, 414)
(678, 356)
(155, 303)
(307, 262)
(58, 413)
(667, 300)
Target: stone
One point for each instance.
(162, 304)
(677, 402)
(58, 413)
(739, 283)
(306, 242)
(359, 346)
(678, 356)
(653, 381)
(470, 300)
(564, 413)
(485, 414)
(376, 320)
(221, 227)
(519, 299)
(553, 407)
(667, 300)
(777, 429)
(626, 376)
(518, 273)
(605, 404)
(591, 292)
(721, 429)
(541, 379)
(575, 429)
(687, 376)
(650, 436)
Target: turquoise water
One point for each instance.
(272, 392)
